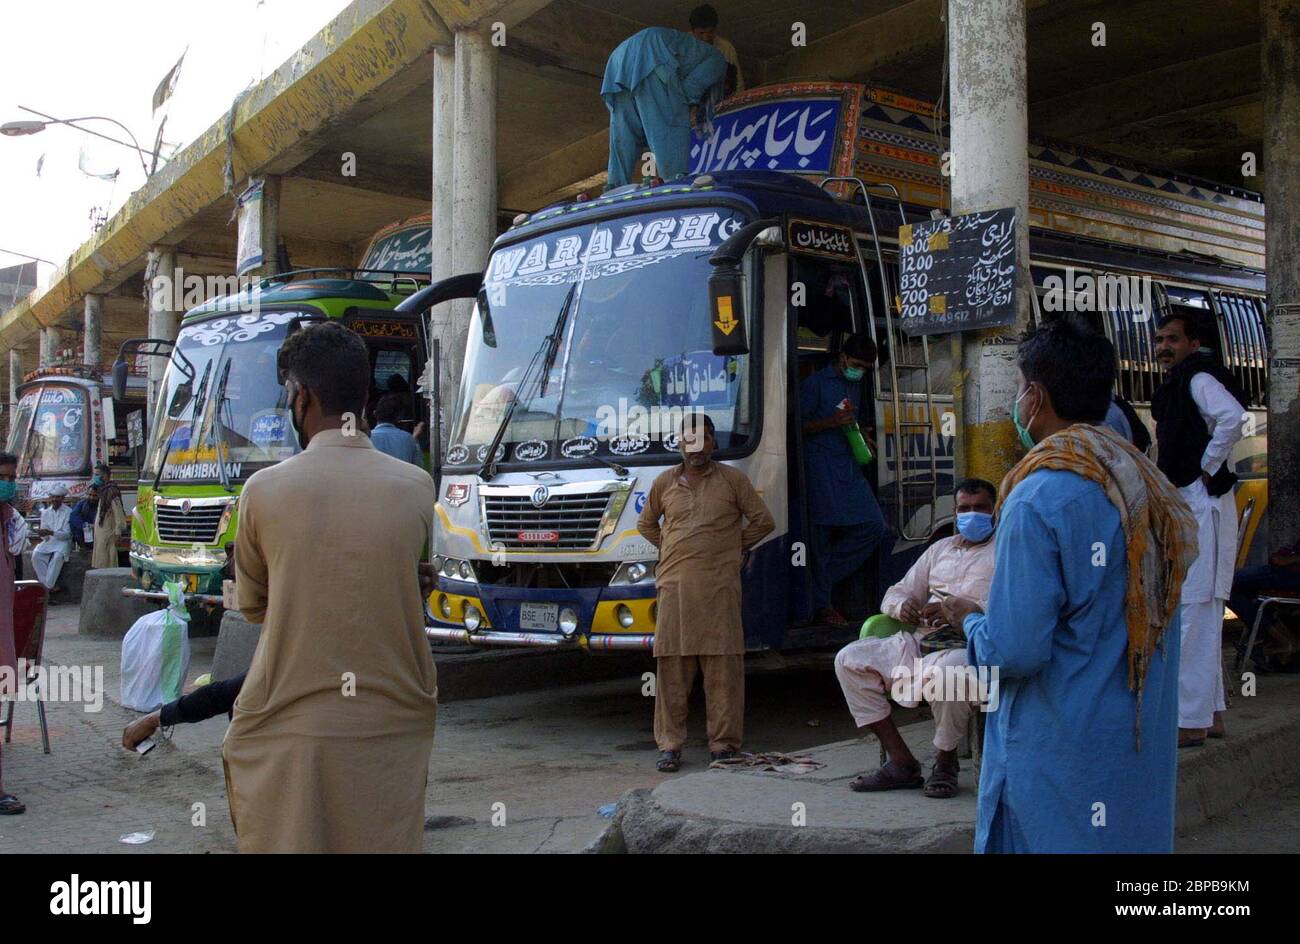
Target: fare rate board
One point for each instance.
(958, 273)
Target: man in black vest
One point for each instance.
(1199, 412)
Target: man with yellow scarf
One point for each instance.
(1092, 547)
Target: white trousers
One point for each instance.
(869, 669)
(47, 560)
(1200, 667)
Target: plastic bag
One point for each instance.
(156, 655)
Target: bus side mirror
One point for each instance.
(120, 371)
(727, 310)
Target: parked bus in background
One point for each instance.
(592, 330)
(68, 421)
(222, 413)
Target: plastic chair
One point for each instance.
(30, 600)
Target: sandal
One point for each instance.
(889, 777)
(669, 762)
(10, 805)
(942, 784)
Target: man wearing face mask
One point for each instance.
(845, 523)
(1081, 623)
(871, 668)
(328, 749)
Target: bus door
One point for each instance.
(826, 306)
(398, 354)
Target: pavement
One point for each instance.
(760, 811)
(524, 761)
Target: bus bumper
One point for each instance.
(599, 642)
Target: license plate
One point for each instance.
(543, 616)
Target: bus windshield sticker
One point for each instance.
(269, 428)
(531, 450)
(700, 378)
(608, 248)
(629, 445)
(579, 447)
(458, 455)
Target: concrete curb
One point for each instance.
(1263, 748)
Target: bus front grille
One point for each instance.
(564, 522)
(197, 526)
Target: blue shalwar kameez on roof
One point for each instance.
(1062, 769)
(651, 80)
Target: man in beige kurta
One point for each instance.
(328, 750)
(698, 627)
(110, 518)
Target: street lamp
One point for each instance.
(15, 129)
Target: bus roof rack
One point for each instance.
(394, 277)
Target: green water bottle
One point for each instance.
(857, 442)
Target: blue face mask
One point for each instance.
(1026, 440)
(97, 481)
(853, 373)
(8, 491)
(975, 526)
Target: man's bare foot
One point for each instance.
(1217, 729)
(1191, 737)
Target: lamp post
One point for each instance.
(28, 126)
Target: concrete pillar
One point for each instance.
(441, 319)
(163, 293)
(93, 336)
(15, 378)
(990, 161)
(51, 342)
(474, 199)
(1280, 65)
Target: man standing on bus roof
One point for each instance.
(845, 524)
(656, 82)
(328, 750)
(1198, 412)
(702, 543)
(704, 27)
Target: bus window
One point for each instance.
(1241, 320)
(59, 442)
(831, 294)
(393, 369)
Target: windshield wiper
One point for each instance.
(219, 427)
(551, 346)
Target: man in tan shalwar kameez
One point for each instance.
(110, 519)
(698, 628)
(328, 750)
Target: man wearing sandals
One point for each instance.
(873, 668)
(711, 517)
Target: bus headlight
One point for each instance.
(636, 571)
(437, 562)
(473, 618)
(444, 606)
(568, 621)
(625, 618)
(466, 571)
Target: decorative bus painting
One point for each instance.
(592, 330)
(66, 422)
(222, 414)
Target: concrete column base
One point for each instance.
(104, 611)
(236, 643)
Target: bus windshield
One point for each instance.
(49, 433)
(630, 299)
(233, 406)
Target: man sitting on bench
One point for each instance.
(911, 632)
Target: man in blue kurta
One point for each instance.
(845, 523)
(655, 83)
(1092, 547)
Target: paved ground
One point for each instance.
(544, 761)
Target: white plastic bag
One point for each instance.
(156, 655)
